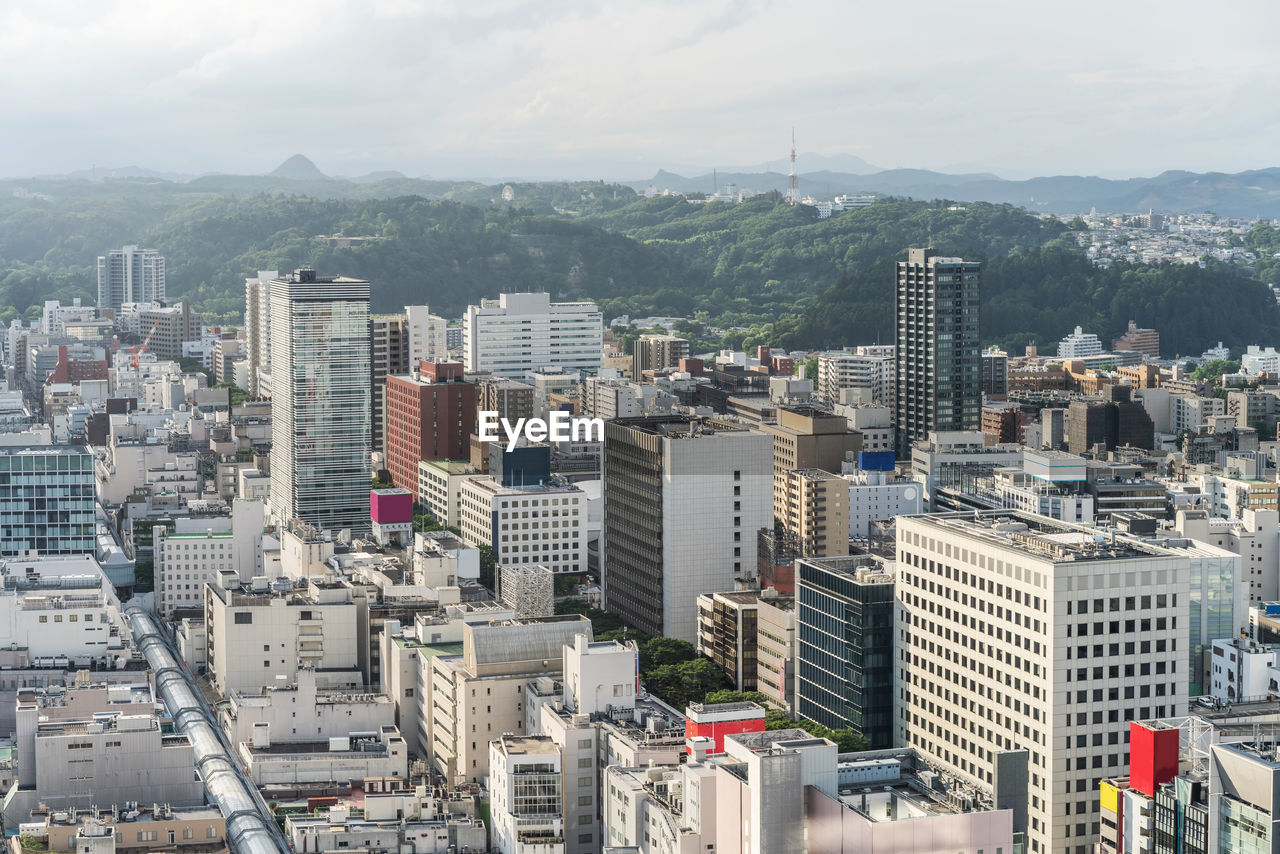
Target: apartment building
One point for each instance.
(814, 505)
(657, 353)
(388, 357)
(727, 634)
(938, 365)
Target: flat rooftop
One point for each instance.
(1044, 537)
(679, 426)
(528, 745)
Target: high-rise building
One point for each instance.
(130, 275)
(938, 368)
(995, 374)
(657, 353)
(257, 327)
(1145, 341)
(861, 376)
(806, 437)
(428, 338)
(1021, 636)
(844, 645)
(389, 356)
(320, 420)
(430, 416)
(168, 328)
(659, 555)
(1079, 344)
(46, 501)
(814, 505)
(518, 334)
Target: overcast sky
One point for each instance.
(552, 88)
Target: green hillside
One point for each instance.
(762, 272)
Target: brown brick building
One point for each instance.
(429, 417)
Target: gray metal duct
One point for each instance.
(250, 828)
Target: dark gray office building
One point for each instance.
(936, 315)
(844, 645)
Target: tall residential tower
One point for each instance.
(130, 275)
(936, 311)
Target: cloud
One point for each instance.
(441, 84)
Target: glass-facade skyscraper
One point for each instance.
(320, 407)
(46, 501)
(939, 368)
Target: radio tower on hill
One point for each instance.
(793, 182)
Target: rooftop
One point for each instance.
(1057, 541)
(535, 745)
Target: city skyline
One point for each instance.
(450, 91)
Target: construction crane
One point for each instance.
(135, 352)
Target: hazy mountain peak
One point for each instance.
(298, 168)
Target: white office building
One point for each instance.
(321, 419)
(517, 335)
(880, 495)
(683, 501)
(184, 563)
(527, 525)
(1026, 640)
(257, 327)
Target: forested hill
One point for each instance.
(1038, 295)
(765, 272)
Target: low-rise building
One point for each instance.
(98, 744)
(440, 488)
(406, 821)
(339, 759)
(479, 695)
(273, 629)
(124, 827)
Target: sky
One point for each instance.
(617, 89)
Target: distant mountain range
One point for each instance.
(1244, 194)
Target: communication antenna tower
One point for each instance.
(793, 182)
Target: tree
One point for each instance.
(684, 683)
(658, 652)
(811, 370)
(1214, 368)
(488, 567)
